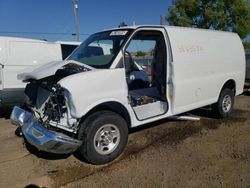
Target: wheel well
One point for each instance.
(111, 106)
(230, 84)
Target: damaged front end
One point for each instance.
(45, 119)
(40, 137)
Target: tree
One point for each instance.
(140, 53)
(246, 45)
(226, 15)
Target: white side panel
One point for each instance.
(203, 61)
(33, 53)
(10, 76)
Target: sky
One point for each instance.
(57, 16)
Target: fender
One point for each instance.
(96, 87)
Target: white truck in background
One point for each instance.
(18, 54)
(90, 100)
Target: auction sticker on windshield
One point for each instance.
(113, 33)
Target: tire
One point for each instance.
(224, 106)
(104, 135)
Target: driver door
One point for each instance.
(145, 65)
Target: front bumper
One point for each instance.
(40, 137)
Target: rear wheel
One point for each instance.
(104, 135)
(224, 106)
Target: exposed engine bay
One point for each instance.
(49, 102)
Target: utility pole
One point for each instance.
(76, 19)
(161, 20)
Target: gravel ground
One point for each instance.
(205, 153)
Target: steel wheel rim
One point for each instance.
(106, 139)
(226, 103)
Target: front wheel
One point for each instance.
(224, 106)
(104, 135)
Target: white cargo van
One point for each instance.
(89, 101)
(17, 54)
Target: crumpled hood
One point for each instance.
(46, 70)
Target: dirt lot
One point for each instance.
(205, 153)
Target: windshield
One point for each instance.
(100, 49)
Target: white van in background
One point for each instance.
(17, 54)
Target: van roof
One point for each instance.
(166, 27)
(20, 39)
(6, 38)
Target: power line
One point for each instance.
(39, 33)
